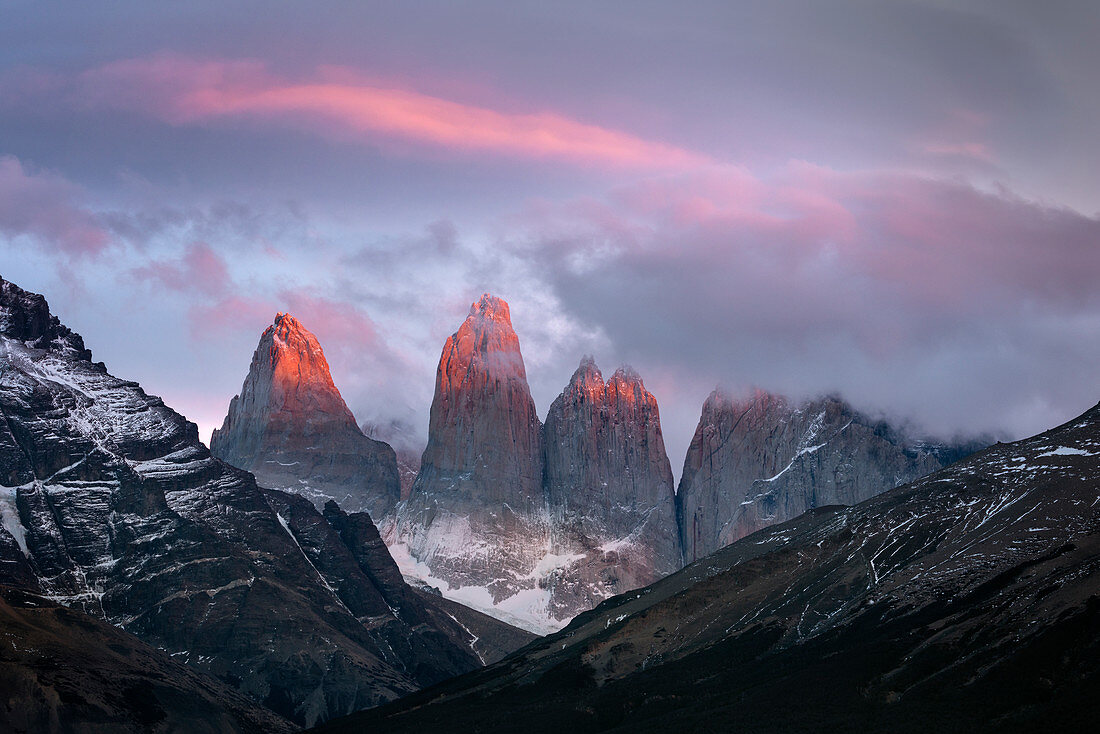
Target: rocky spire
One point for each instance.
(604, 448)
(609, 481)
(483, 431)
(476, 515)
(291, 428)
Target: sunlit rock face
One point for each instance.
(483, 432)
(609, 485)
(290, 427)
(109, 504)
(476, 518)
(763, 460)
(535, 525)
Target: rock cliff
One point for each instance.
(531, 524)
(763, 460)
(609, 487)
(476, 516)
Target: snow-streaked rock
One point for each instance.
(609, 487)
(763, 460)
(476, 514)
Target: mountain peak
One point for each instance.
(491, 308)
(626, 373)
(287, 320)
(26, 316)
(485, 342)
(587, 374)
(291, 427)
(722, 399)
(290, 332)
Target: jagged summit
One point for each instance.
(484, 347)
(26, 316)
(626, 373)
(587, 375)
(291, 333)
(491, 308)
(722, 396)
(291, 428)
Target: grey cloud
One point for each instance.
(49, 210)
(967, 311)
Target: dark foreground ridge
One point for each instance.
(966, 601)
(63, 670)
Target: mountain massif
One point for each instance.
(536, 523)
(112, 507)
(763, 460)
(968, 600)
(290, 428)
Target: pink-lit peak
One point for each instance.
(491, 308)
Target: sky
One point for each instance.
(898, 202)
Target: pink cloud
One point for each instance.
(346, 332)
(199, 269)
(335, 103)
(234, 315)
(960, 307)
(44, 206)
(338, 324)
(961, 134)
(938, 247)
(975, 150)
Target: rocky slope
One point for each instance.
(764, 460)
(290, 427)
(64, 671)
(529, 523)
(966, 601)
(111, 505)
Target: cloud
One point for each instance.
(966, 309)
(337, 103)
(199, 269)
(46, 208)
